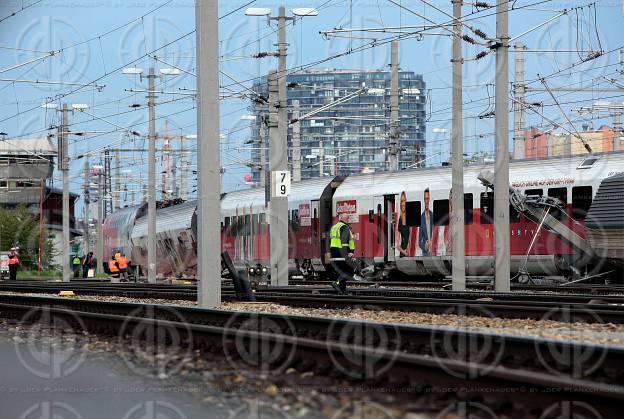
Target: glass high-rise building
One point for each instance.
(352, 136)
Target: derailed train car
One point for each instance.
(400, 221)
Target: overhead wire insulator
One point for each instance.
(480, 33)
(481, 55)
(468, 39)
(482, 4)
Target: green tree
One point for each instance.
(20, 228)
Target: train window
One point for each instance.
(247, 225)
(412, 213)
(295, 220)
(441, 212)
(255, 227)
(581, 201)
(487, 207)
(261, 223)
(534, 192)
(371, 216)
(562, 195)
(468, 208)
(227, 222)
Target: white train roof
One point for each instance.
(303, 191)
(176, 217)
(526, 174)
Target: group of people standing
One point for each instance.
(85, 264)
(118, 266)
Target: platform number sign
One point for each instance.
(280, 181)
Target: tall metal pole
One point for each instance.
(296, 143)
(519, 88)
(501, 165)
(151, 182)
(617, 129)
(87, 247)
(393, 149)
(457, 155)
(278, 160)
(263, 171)
(99, 248)
(183, 170)
(278, 206)
(208, 155)
(64, 166)
(117, 198)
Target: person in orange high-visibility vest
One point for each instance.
(113, 268)
(122, 263)
(13, 265)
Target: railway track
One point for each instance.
(567, 308)
(500, 370)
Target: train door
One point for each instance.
(389, 228)
(314, 216)
(380, 229)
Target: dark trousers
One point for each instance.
(12, 272)
(76, 271)
(85, 271)
(344, 272)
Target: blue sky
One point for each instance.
(92, 51)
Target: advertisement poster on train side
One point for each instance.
(304, 215)
(348, 207)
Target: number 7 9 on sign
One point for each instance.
(280, 184)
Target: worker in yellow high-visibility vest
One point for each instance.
(342, 249)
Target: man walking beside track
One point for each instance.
(342, 248)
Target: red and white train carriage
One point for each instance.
(386, 214)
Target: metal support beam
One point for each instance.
(617, 129)
(117, 197)
(183, 170)
(278, 207)
(395, 123)
(501, 164)
(457, 155)
(296, 143)
(64, 166)
(518, 88)
(151, 181)
(208, 155)
(99, 248)
(262, 146)
(87, 236)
